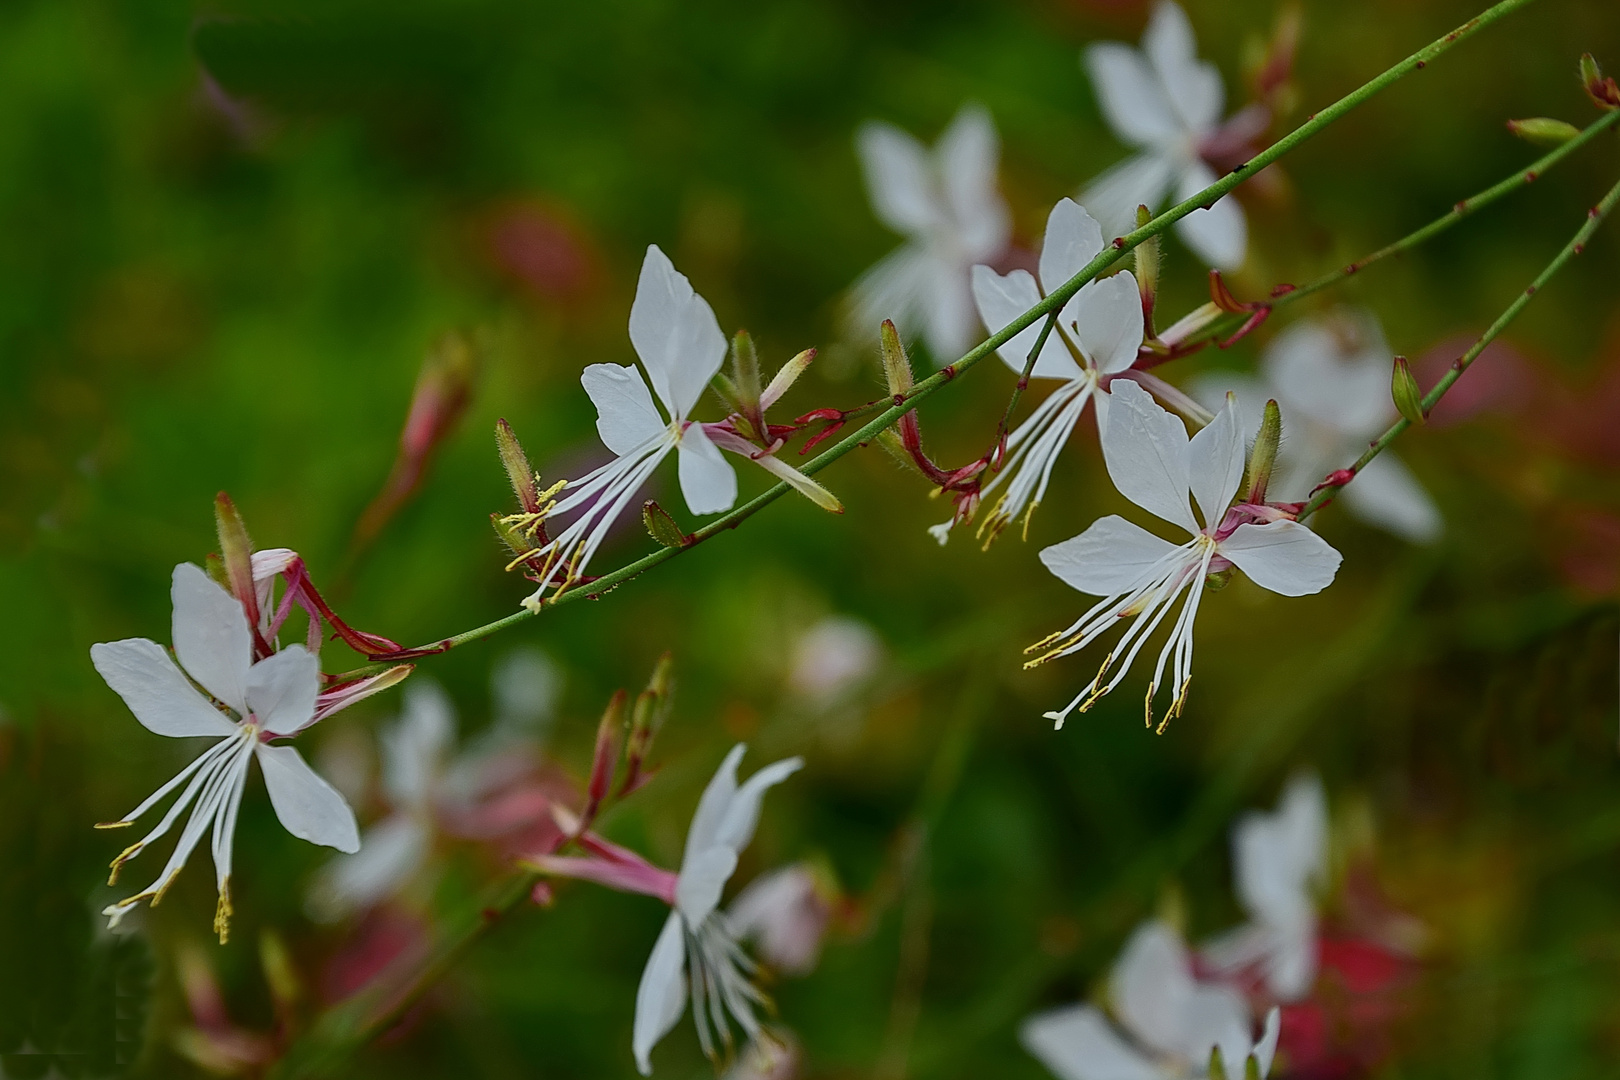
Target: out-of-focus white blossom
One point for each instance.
(834, 657)
(785, 913)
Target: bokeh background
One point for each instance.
(232, 233)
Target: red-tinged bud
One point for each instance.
(605, 758)
(1603, 91)
(1146, 259)
(1408, 396)
(1543, 131)
(236, 551)
(516, 462)
(646, 718)
(1223, 298)
(661, 526)
(542, 895)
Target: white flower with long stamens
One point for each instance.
(1166, 102)
(274, 697)
(697, 945)
(1331, 376)
(1098, 333)
(1279, 859)
(1171, 1021)
(946, 204)
(681, 347)
(1142, 577)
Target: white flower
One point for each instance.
(271, 698)
(1278, 859)
(833, 658)
(1140, 576)
(785, 913)
(696, 942)
(946, 205)
(1097, 334)
(1330, 376)
(680, 344)
(1166, 102)
(1172, 1022)
(413, 762)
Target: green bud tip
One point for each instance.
(516, 464)
(896, 367)
(1404, 389)
(1543, 130)
(661, 526)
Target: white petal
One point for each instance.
(742, 814)
(707, 480)
(1105, 318)
(1335, 371)
(1130, 95)
(1001, 299)
(1215, 1016)
(1265, 1051)
(1386, 494)
(1078, 1043)
(309, 807)
(712, 805)
(390, 853)
(140, 672)
(1291, 967)
(1151, 985)
(1283, 556)
(1110, 557)
(1072, 240)
(1211, 388)
(1193, 87)
(1145, 449)
(897, 288)
(1302, 811)
(968, 155)
(1113, 197)
(1215, 460)
(951, 325)
(1218, 235)
(675, 333)
(211, 635)
(626, 417)
(897, 177)
(281, 689)
(701, 881)
(661, 997)
(414, 747)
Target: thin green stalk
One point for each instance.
(1521, 178)
(1594, 217)
(1053, 301)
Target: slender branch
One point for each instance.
(1521, 178)
(1325, 492)
(1052, 302)
(1023, 378)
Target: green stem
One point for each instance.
(1052, 302)
(355, 1022)
(1521, 178)
(1594, 217)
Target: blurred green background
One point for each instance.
(231, 233)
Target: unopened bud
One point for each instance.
(1251, 1068)
(1543, 130)
(605, 756)
(1217, 1063)
(516, 463)
(279, 972)
(661, 526)
(1222, 297)
(646, 718)
(785, 377)
(1603, 91)
(896, 368)
(745, 369)
(1192, 324)
(1404, 389)
(1146, 262)
(1218, 580)
(1263, 458)
(236, 550)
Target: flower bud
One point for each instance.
(745, 384)
(896, 368)
(516, 463)
(661, 526)
(646, 718)
(605, 756)
(1264, 455)
(1543, 131)
(236, 550)
(785, 377)
(1146, 262)
(1603, 91)
(1404, 389)
(1217, 1063)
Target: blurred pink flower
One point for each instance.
(785, 913)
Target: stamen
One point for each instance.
(222, 912)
